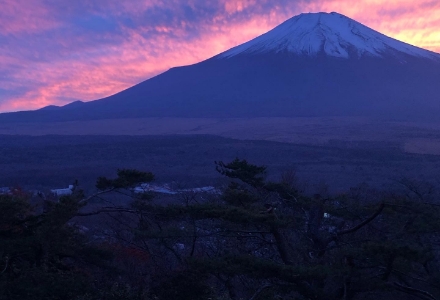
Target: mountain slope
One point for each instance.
(311, 65)
(332, 34)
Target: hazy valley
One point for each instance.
(319, 154)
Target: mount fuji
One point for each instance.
(314, 64)
(330, 34)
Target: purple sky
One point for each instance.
(59, 51)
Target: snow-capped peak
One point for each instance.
(330, 33)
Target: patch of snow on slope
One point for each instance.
(332, 33)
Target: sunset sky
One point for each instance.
(59, 51)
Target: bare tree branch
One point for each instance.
(259, 291)
(363, 223)
(106, 210)
(6, 264)
(414, 291)
(85, 200)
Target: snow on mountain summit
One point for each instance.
(330, 33)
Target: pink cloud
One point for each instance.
(23, 16)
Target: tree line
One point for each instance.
(258, 239)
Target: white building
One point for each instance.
(165, 189)
(63, 192)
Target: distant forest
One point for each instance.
(48, 162)
(255, 239)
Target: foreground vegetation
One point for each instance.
(256, 240)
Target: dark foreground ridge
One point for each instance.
(254, 239)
